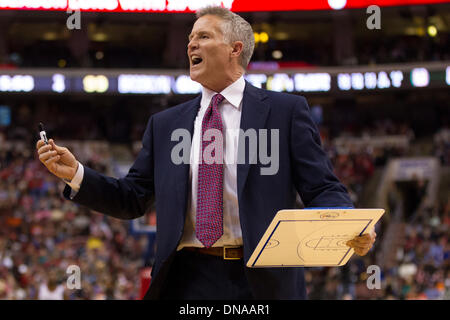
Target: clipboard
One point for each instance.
(312, 237)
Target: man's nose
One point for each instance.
(193, 44)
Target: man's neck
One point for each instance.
(220, 86)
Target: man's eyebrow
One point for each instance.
(199, 33)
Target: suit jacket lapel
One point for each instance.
(254, 114)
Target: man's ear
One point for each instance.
(237, 46)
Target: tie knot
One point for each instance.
(216, 100)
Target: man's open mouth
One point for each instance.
(196, 60)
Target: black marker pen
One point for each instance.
(42, 132)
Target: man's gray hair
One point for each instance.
(234, 28)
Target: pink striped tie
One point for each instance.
(209, 219)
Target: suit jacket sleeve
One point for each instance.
(124, 198)
(313, 173)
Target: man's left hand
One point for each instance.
(362, 244)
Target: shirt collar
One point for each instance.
(233, 93)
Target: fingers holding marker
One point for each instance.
(39, 143)
(43, 149)
(47, 153)
(44, 156)
(52, 160)
(58, 149)
(58, 160)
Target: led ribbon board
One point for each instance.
(168, 6)
(324, 81)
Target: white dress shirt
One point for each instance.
(230, 110)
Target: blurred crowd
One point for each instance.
(424, 259)
(421, 271)
(42, 234)
(357, 152)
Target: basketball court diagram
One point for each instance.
(310, 238)
(327, 243)
(326, 239)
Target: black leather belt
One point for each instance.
(227, 252)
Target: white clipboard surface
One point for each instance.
(312, 237)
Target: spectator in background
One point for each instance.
(52, 290)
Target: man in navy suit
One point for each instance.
(211, 215)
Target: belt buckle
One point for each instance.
(225, 252)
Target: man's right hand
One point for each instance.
(58, 160)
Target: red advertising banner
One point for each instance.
(168, 6)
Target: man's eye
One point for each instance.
(205, 37)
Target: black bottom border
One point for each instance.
(165, 310)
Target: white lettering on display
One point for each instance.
(280, 82)
(34, 4)
(174, 5)
(144, 84)
(97, 83)
(93, 4)
(184, 85)
(370, 80)
(16, 83)
(420, 77)
(312, 82)
(58, 83)
(396, 77)
(127, 5)
(182, 5)
(357, 81)
(155, 5)
(383, 80)
(344, 81)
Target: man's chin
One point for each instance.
(194, 76)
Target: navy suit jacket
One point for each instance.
(303, 167)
